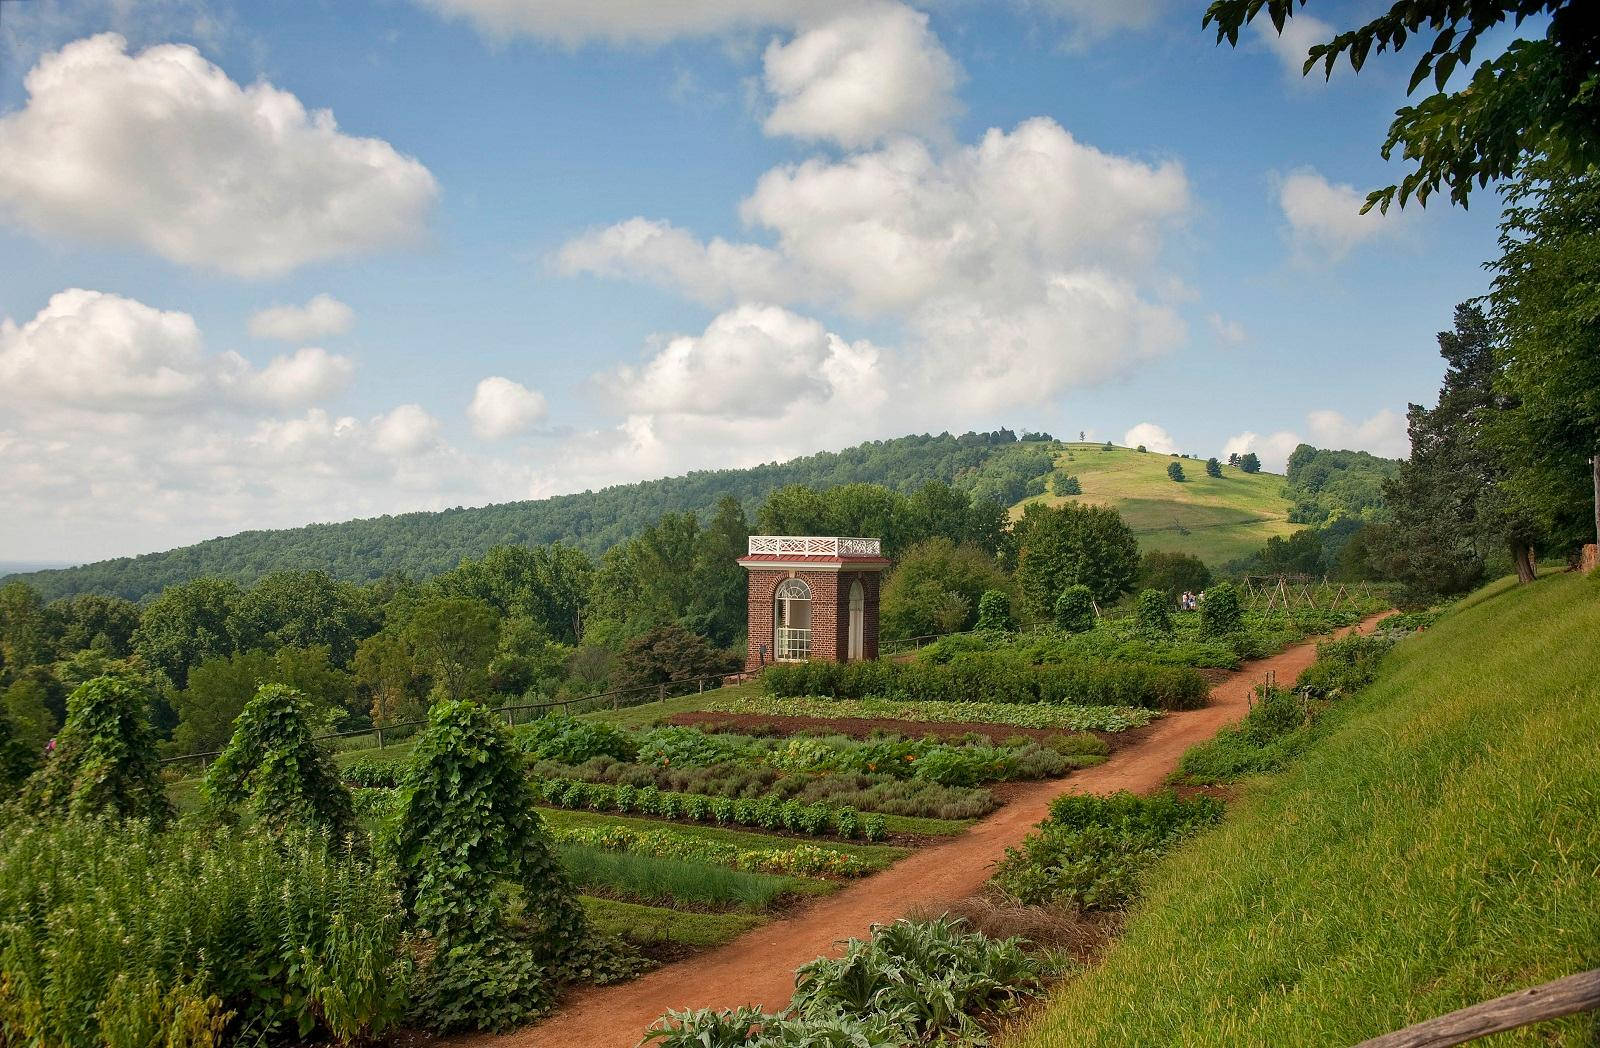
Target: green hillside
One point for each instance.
(1435, 846)
(995, 466)
(1217, 519)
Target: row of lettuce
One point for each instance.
(914, 982)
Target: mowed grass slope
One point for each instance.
(1438, 846)
(1217, 519)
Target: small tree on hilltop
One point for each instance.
(994, 611)
(273, 760)
(1233, 458)
(1249, 462)
(1141, 449)
(1220, 612)
(1067, 484)
(1075, 609)
(466, 829)
(1106, 446)
(1155, 612)
(1175, 471)
(1213, 467)
(105, 759)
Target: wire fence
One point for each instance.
(517, 713)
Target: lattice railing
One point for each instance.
(814, 546)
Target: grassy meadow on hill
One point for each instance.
(1433, 847)
(1217, 519)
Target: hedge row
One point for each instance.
(815, 820)
(991, 677)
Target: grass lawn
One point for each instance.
(1217, 519)
(1437, 846)
(650, 925)
(650, 714)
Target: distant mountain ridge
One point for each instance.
(993, 465)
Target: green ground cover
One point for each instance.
(1066, 718)
(875, 856)
(653, 926)
(1436, 845)
(1217, 519)
(678, 882)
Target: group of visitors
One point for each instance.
(1191, 601)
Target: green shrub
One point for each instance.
(1074, 611)
(376, 771)
(105, 762)
(1175, 472)
(1213, 467)
(768, 813)
(1154, 613)
(1067, 484)
(994, 677)
(116, 934)
(273, 760)
(569, 740)
(1091, 852)
(680, 747)
(994, 611)
(1220, 612)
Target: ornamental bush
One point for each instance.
(1154, 613)
(105, 759)
(994, 611)
(273, 760)
(1075, 609)
(1220, 612)
(466, 830)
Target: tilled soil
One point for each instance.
(758, 967)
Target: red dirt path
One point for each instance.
(758, 967)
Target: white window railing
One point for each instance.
(794, 644)
(814, 546)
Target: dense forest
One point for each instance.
(995, 467)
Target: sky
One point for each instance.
(267, 263)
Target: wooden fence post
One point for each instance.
(380, 736)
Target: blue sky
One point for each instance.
(265, 264)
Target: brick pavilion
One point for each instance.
(812, 597)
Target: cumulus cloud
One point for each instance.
(162, 151)
(860, 76)
(1300, 32)
(1325, 219)
(1382, 434)
(1092, 20)
(628, 21)
(120, 431)
(1151, 436)
(322, 315)
(95, 351)
(1229, 332)
(502, 408)
(1017, 267)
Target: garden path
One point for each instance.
(758, 967)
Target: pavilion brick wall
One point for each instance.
(830, 612)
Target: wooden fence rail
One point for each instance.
(1575, 993)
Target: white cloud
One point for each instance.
(1299, 32)
(95, 351)
(162, 151)
(405, 430)
(1017, 267)
(322, 315)
(1227, 331)
(1092, 20)
(860, 76)
(1325, 219)
(1272, 449)
(1151, 436)
(120, 432)
(628, 21)
(502, 408)
(1382, 434)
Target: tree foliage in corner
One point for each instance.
(105, 759)
(273, 760)
(1539, 97)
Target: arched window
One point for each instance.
(791, 621)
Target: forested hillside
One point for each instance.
(994, 466)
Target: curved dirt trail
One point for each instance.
(758, 967)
